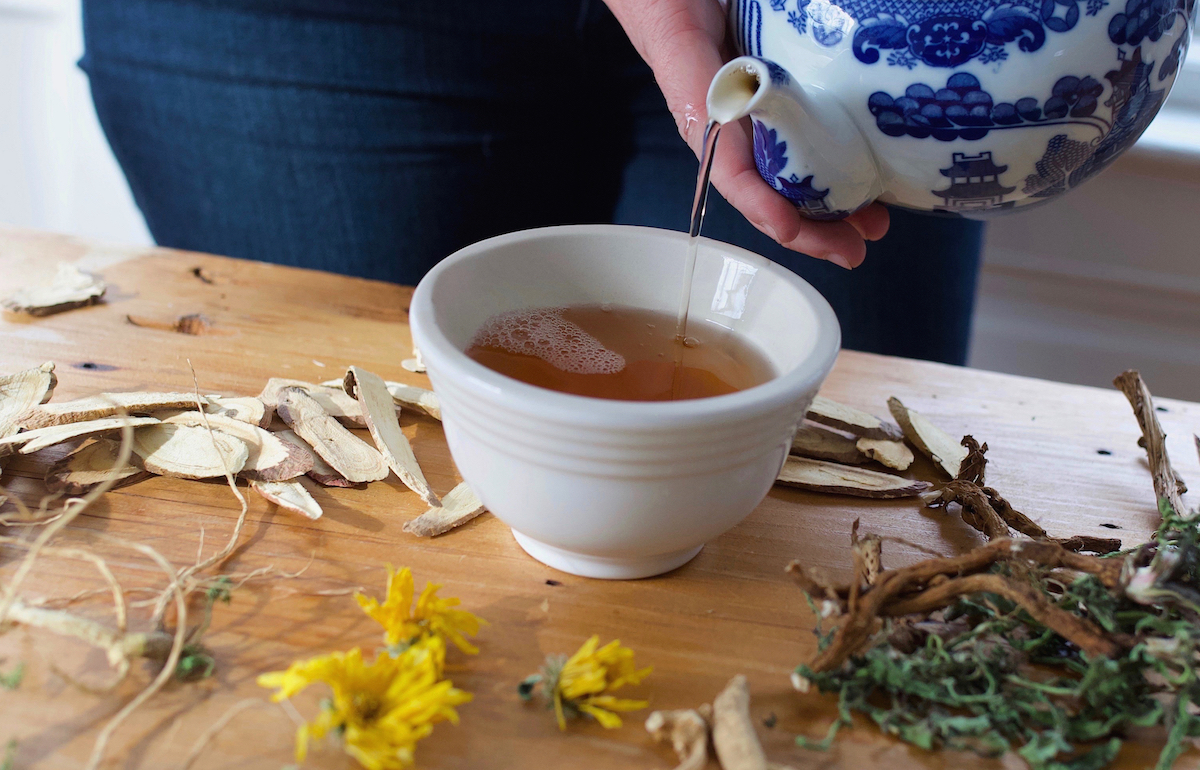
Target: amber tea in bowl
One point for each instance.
(608, 477)
(617, 352)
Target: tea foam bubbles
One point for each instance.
(544, 333)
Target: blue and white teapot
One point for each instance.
(958, 106)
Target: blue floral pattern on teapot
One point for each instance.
(1033, 96)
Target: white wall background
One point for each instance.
(1103, 280)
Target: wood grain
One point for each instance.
(731, 610)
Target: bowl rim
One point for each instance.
(451, 363)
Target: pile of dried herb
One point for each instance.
(1021, 645)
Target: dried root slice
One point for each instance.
(459, 506)
(824, 444)
(247, 409)
(419, 398)
(415, 364)
(931, 440)
(851, 420)
(350, 457)
(290, 495)
(380, 412)
(269, 457)
(322, 472)
(335, 402)
(104, 405)
(821, 476)
(404, 395)
(22, 391)
(71, 288)
(33, 440)
(89, 465)
(186, 452)
(687, 730)
(894, 454)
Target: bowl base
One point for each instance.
(600, 567)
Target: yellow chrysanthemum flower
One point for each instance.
(432, 617)
(379, 709)
(580, 684)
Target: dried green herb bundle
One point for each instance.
(1023, 645)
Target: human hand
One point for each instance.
(683, 42)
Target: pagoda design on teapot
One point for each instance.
(954, 106)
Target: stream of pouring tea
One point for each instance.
(699, 202)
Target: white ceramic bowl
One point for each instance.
(619, 489)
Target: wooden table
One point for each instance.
(731, 610)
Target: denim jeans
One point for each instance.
(374, 137)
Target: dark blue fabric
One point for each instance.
(374, 138)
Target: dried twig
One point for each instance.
(1166, 482)
(216, 727)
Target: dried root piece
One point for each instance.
(894, 454)
(335, 402)
(733, 735)
(687, 730)
(247, 409)
(974, 466)
(270, 458)
(194, 324)
(119, 647)
(458, 507)
(104, 405)
(32, 441)
(415, 364)
(847, 418)
(380, 412)
(350, 457)
(322, 472)
(867, 554)
(821, 476)
(825, 444)
(1154, 441)
(79, 472)
(931, 440)
(290, 495)
(187, 452)
(23, 391)
(71, 288)
(420, 398)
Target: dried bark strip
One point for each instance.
(187, 452)
(345, 453)
(835, 415)
(380, 411)
(248, 409)
(821, 476)
(270, 458)
(322, 472)
(333, 401)
(931, 440)
(70, 288)
(1166, 482)
(90, 465)
(290, 495)
(687, 730)
(824, 444)
(893, 454)
(23, 391)
(459, 506)
(104, 405)
(32, 441)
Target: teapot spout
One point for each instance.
(805, 144)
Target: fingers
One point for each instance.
(871, 221)
(738, 181)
